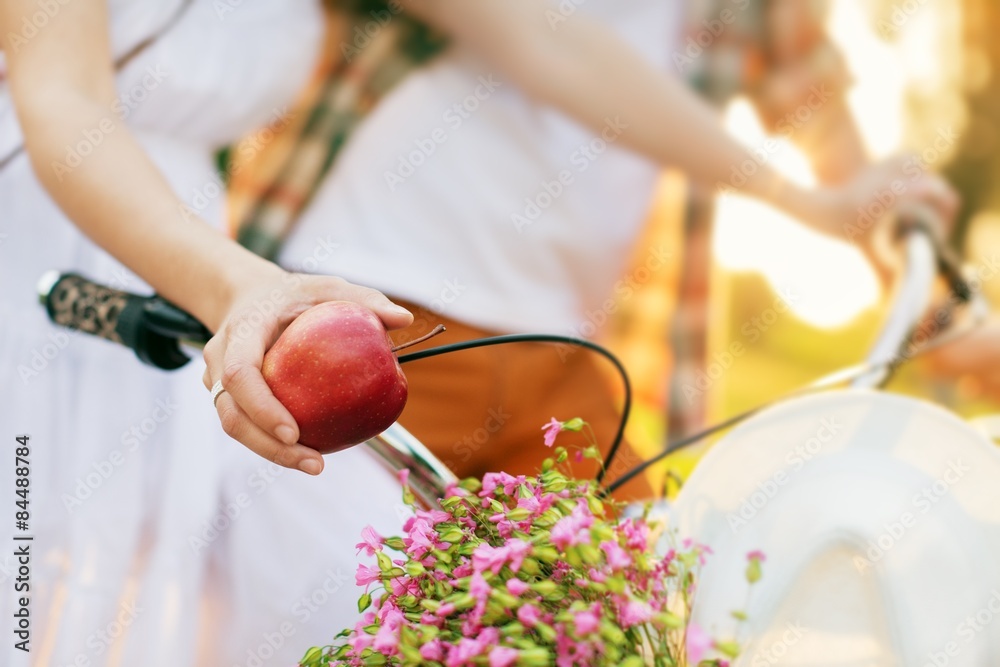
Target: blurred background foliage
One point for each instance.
(920, 67)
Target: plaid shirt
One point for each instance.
(379, 48)
(722, 50)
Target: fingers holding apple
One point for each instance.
(391, 315)
(248, 411)
(248, 408)
(238, 425)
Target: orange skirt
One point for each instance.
(483, 410)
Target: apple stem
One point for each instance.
(437, 330)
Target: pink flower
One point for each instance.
(486, 557)
(501, 656)
(699, 549)
(561, 570)
(635, 613)
(636, 534)
(492, 480)
(470, 648)
(698, 643)
(529, 615)
(587, 622)
(597, 576)
(552, 430)
(757, 555)
(434, 517)
(390, 615)
(404, 477)
(446, 609)
(432, 651)
(618, 558)
(453, 490)
(517, 587)
(570, 653)
(573, 529)
(488, 637)
(401, 586)
(479, 589)
(421, 536)
(518, 551)
(370, 541)
(359, 641)
(463, 570)
(366, 576)
(386, 641)
(505, 526)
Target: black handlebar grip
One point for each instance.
(150, 326)
(73, 301)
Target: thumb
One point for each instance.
(393, 316)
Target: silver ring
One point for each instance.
(216, 390)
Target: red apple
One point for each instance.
(336, 371)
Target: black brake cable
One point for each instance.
(547, 338)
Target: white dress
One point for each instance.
(158, 540)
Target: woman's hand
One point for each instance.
(258, 314)
(63, 86)
(865, 210)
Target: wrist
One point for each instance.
(816, 208)
(241, 272)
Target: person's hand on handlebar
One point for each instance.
(258, 314)
(866, 210)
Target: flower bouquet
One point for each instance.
(533, 571)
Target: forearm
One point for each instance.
(588, 72)
(835, 145)
(594, 76)
(118, 198)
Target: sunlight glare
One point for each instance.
(828, 281)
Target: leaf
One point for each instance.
(395, 543)
(312, 657)
(730, 649)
